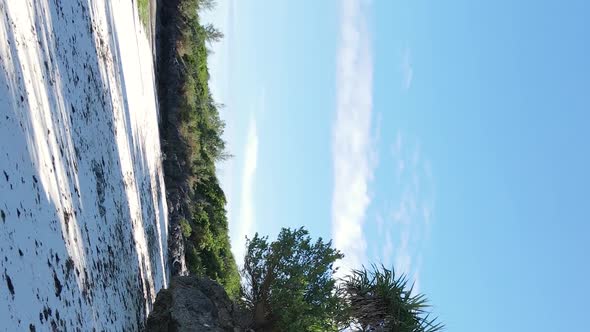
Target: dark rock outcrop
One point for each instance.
(176, 245)
(169, 78)
(195, 304)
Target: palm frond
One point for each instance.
(378, 299)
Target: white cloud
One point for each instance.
(401, 166)
(379, 224)
(407, 69)
(351, 137)
(427, 213)
(387, 252)
(397, 146)
(417, 273)
(246, 220)
(416, 156)
(410, 221)
(403, 259)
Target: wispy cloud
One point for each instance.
(351, 136)
(406, 230)
(246, 220)
(417, 274)
(387, 251)
(397, 154)
(403, 258)
(407, 69)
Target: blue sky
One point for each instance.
(446, 138)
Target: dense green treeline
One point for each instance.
(192, 143)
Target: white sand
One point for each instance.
(84, 221)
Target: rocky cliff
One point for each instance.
(195, 304)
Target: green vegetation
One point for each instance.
(377, 299)
(143, 6)
(289, 286)
(191, 135)
(185, 228)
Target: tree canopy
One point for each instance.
(289, 285)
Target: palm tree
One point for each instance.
(376, 300)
